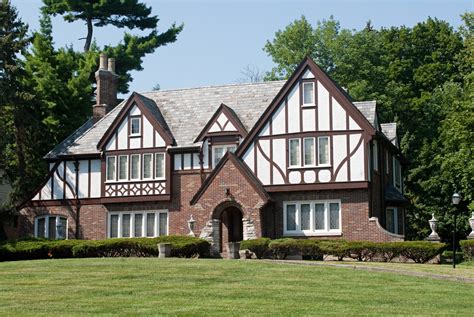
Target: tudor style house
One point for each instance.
(294, 158)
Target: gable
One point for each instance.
(223, 122)
(137, 126)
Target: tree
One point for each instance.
(251, 74)
(15, 112)
(129, 14)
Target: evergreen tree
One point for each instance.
(129, 14)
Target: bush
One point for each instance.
(140, 247)
(310, 249)
(420, 251)
(389, 250)
(467, 247)
(258, 246)
(336, 248)
(281, 248)
(361, 250)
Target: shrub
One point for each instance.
(258, 246)
(389, 250)
(421, 251)
(281, 248)
(336, 248)
(140, 247)
(361, 250)
(310, 249)
(467, 247)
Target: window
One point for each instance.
(308, 94)
(111, 168)
(135, 124)
(323, 150)
(123, 167)
(308, 157)
(375, 156)
(295, 152)
(218, 152)
(391, 219)
(51, 227)
(147, 166)
(135, 166)
(397, 174)
(312, 218)
(138, 224)
(387, 162)
(160, 165)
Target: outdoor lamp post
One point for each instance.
(456, 199)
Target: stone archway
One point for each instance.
(228, 219)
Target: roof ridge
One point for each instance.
(213, 86)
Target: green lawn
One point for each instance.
(139, 286)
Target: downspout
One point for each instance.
(76, 196)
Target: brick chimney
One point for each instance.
(106, 93)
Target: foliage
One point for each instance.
(467, 246)
(421, 251)
(281, 248)
(139, 247)
(258, 246)
(310, 249)
(422, 78)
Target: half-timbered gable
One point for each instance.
(135, 157)
(311, 134)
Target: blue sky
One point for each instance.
(222, 37)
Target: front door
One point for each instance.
(231, 226)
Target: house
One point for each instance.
(291, 158)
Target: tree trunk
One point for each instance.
(90, 30)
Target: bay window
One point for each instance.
(309, 152)
(123, 167)
(160, 165)
(127, 224)
(51, 227)
(147, 166)
(308, 148)
(135, 166)
(391, 219)
(312, 218)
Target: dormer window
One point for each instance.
(135, 124)
(308, 94)
(218, 152)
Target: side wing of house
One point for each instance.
(311, 137)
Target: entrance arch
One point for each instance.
(230, 229)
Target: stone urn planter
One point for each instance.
(471, 223)
(433, 226)
(164, 250)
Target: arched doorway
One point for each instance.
(231, 226)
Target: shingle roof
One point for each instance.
(184, 112)
(390, 131)
(394, 196)
(368, 109)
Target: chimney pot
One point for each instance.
(103, 61)
(111, 65)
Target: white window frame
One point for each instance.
(139, 119)
(394, 211)
(164, 166)
(143, 166)
(303, 104)
(119, 168)
(298, 153)
(375, 156)
(225, 148)
(47, 219)
(394, 163)
(139, 166)
(329, 151)
(107, 168)
(312, 231)
(132, 222)
(314, 152)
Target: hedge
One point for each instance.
(467, 247)
(140, 247)
(258, 246)
(417, 251)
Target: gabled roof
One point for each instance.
(231, 116)
(390, 131)
(324, 78)
(149, 110)
(244, 170)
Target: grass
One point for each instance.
(463, 270)
(148, 286)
